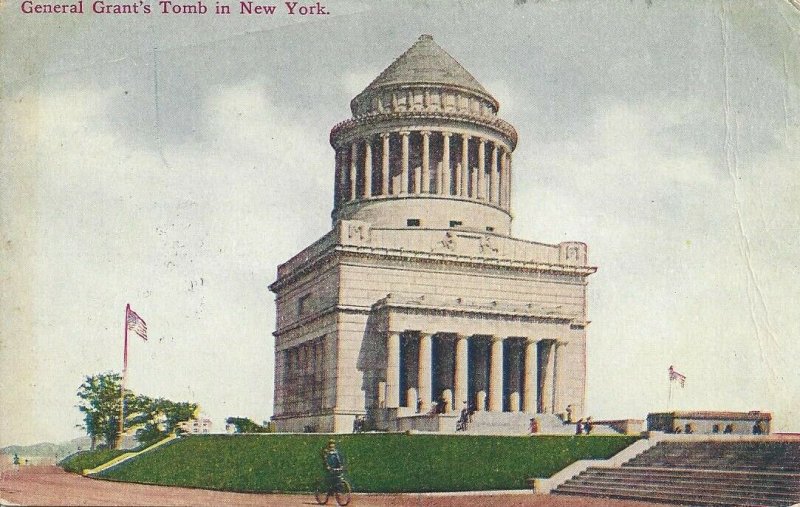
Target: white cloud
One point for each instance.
(683, 278)
(190, 235)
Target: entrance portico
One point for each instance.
(484, 358)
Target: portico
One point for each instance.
(480, 358)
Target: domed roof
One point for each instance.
(426, 63)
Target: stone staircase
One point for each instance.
(125, 457)
(765, 472)
(499, 423)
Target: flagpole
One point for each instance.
(669, 399)
(124, 374)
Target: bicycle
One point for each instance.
(336, 485)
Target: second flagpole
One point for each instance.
(124, 377)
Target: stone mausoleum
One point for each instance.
(419, 302)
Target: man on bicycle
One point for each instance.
(332, 461)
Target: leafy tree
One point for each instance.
(160, 417)
(155, 418)
(245, 425)
(100, 403)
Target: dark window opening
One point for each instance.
(302, 305)
(489, 229)
(412, 222)
(455, 223)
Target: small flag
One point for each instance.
(137, 324)
(674, 375)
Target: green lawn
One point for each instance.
(375, 462)
(82, 460)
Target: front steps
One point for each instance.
(519, 423)
(700, 473)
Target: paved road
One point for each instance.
(49, 485)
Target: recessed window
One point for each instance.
(455, 223)
(302, 305)
(489, 229)
(412, 222)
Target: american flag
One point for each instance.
(137, 324)
(674, 375)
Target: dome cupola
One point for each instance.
(424, 147)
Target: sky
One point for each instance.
(173, 161)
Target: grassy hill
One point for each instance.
(80, 461)
(375, 462)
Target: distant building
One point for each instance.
(419, 300)
(710, 423)
(196, 426)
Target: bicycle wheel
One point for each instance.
(343, 493)
(321, 493)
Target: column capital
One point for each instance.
(385, 135)
(404, 133)
(531, 341)
(425, 133)
(482, 140)
(560, 343)
(446, 133)
(495, 338)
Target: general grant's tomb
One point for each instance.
(419, 297)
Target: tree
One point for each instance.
(155, 418)
(100, 403)
(245, 425)
(160, 418)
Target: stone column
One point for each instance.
(464, 165)
(404, 163)
(496, 376)
(481, 193)
(368, 167)
(508, 187)
(530, 397)
(461, 378)
(446, 163)
(425, 371)
(385, 164)
(494, 177)
(426, 162)
(337, 180)
(393, 369)
(343, 192)
(353, 170)
(558, 361)
(548, 381)
(503, 180)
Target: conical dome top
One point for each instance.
(426, 63)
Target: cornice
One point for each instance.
(461, 307)
(430, 85)
(438, 257)
(493, 122)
